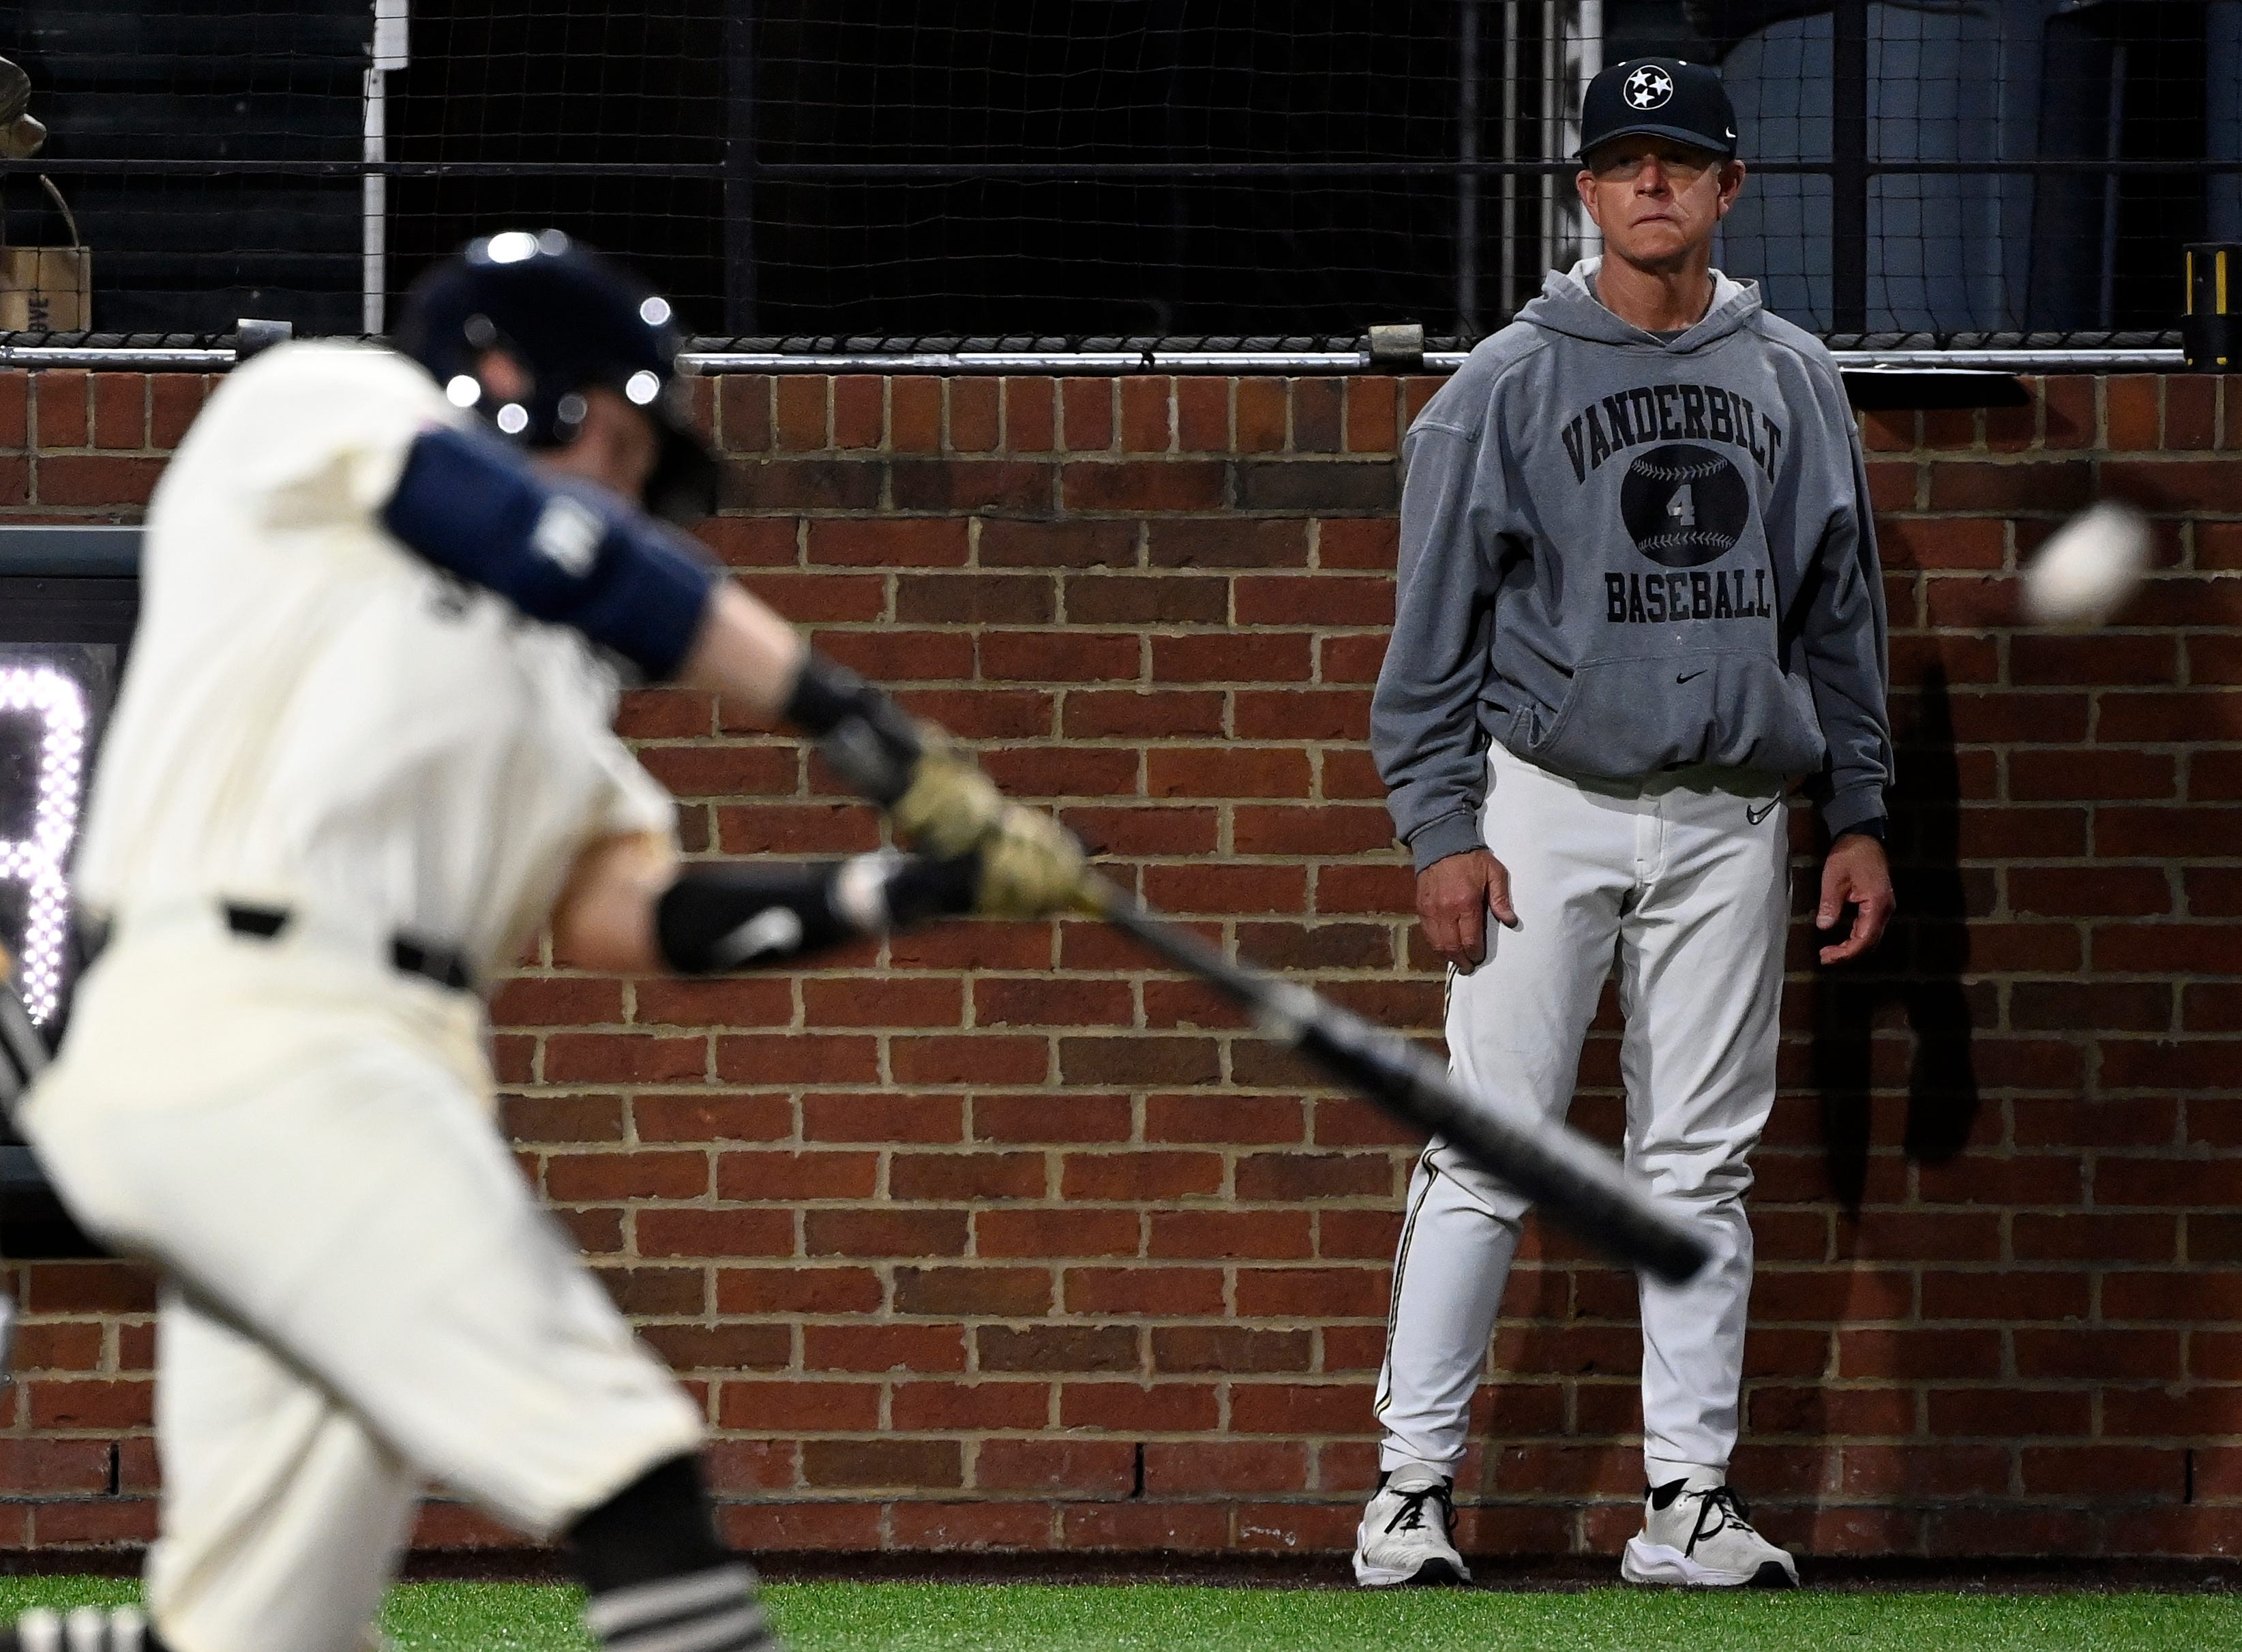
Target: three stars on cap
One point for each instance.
(1647, 87)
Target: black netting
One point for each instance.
(1125, 169)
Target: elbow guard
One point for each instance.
(731, 917)
(472, 506)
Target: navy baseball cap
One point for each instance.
(1663, 97)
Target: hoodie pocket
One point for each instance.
(1624, 718)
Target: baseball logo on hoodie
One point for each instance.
(1685, 506)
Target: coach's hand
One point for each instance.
(1453, 898)
(1855, 875)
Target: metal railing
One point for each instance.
(2008, 353)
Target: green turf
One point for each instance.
(967, 1617)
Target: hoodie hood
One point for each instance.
(1568, 305)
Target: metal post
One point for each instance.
(1849, 166)
(2113, 146)
(374, 209)
(1509, 153)
(389, 52)
(739, 168)
(1590, 65)
(1467, 171)
(1552, 95)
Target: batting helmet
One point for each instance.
(572, 321)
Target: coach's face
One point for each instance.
(1657, 201)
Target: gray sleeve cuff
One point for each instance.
(1850, 807)
(1436, 840)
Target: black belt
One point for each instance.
(440, 964)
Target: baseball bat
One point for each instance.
(1558, 1168)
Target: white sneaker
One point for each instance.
(1702, 1537)
(1404, 1535)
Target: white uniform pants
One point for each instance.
(1680, 882)
(361, 1293)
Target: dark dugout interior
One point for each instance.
(1055, 168)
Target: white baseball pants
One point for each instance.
(360, 1295)
(1679, 881)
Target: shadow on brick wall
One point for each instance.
(1918, 968)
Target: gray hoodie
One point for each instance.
(1621, 555)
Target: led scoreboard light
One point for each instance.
(43, 707)
(68, 600)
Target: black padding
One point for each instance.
(921, 887)
(735, 917)
(867, 737)
(757, 916)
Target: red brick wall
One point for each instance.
(998, 1237)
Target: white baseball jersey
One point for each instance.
(314, 717)
(361, 1292)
